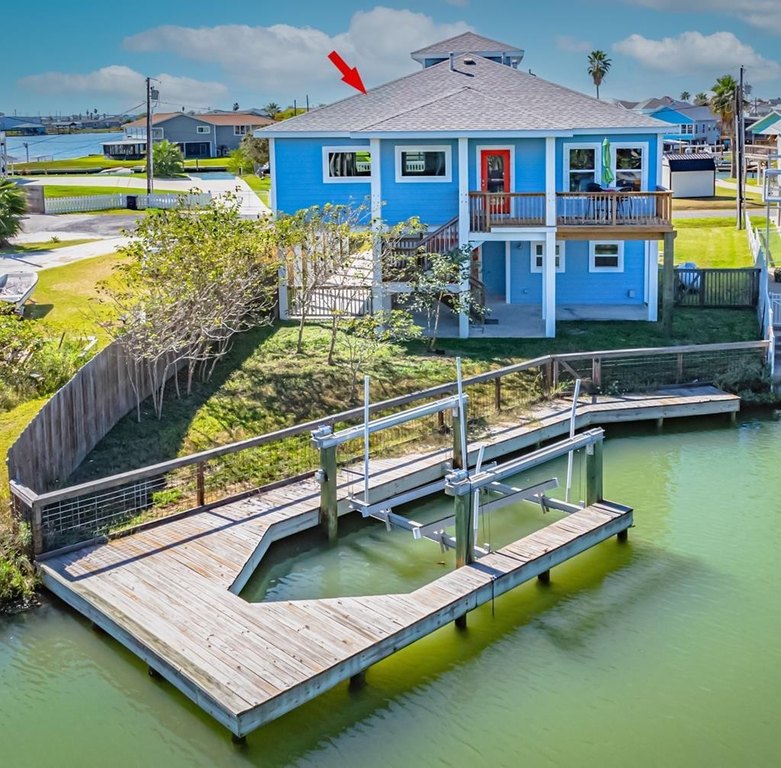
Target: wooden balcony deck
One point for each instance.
(579, 215)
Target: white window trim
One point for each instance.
(560, 267)
(592, 255)
(241, 130)
(203, 129)
(643, 145)
(446, 148)
(479, 166)
(597, 161)
(327, 179)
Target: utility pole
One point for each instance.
(740, 151)
(3, 156)
(150, 164)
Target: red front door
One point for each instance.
(495, 177)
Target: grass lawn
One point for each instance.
(263, 385)
(724, 200)
(712, 243)
(45, 245)
(81, 190)
(261, 187)
(94, 162)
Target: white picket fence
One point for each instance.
(769, 304)
(88, 203)
(85, 203)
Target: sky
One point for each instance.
(70, 57)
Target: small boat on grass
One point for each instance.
(16, 288)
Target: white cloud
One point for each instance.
(764, 14)
(124, 83)
(571, 44)
(287, 59)
(695, 53)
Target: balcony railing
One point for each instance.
(489, 210)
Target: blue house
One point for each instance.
(690, 124)
(555, 192)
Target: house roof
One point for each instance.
(692, 111)
(213, 118)
(479, 96)
(468, 42)
(769, 125)
(690, 161)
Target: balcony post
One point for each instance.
(549, 284)
(668, 283)
(463, 222)
(378, 291)
(550, 181)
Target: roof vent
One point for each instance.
(452, 61)
(470, 61)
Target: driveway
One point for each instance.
(18, 262)
(75, 226)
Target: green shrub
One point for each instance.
(17, 575)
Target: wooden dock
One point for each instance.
(170, 592)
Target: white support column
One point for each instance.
(550, 181)
(272, 161)
(378, 292)
(652, 296)
(463, 221)
(549, 284)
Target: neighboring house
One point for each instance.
(696, 126)
(211, 134)
(690, 174)
(23, 126)
(500, 160)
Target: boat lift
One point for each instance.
(485, 490)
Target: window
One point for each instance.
(429, 163)
(629, 168)
(538, 252)
(157, 134)
(241, 130)
(606, 256)
(687, 129)
(203, 129)
(342, 164)
(581, 166)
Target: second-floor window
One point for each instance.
(629, 168)
(581, 168)
(203, 129)
(241, 130)
(346, 164)
(426, 163)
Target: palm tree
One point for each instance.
(272, 110)
(723, 104)
(598, 66)
(701, 99)
(168, 160)
(685, 95)
(13, 205)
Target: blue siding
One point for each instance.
(434, 202)
(579, 286)
(299, 176)
(646, 138)
(494, 272)
(671, 116)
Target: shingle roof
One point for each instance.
(228, 118)
(482, 96)
(769, 125)
(468, 42)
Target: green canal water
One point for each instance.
(661, 652)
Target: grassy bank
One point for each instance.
(97, 162)
(712, 243)
(82, 190)
(263, 385)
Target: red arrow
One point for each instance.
(350, 75)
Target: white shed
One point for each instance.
(692, 174)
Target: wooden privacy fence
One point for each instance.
(74, 420)
(716, 288)
(120, 200)
(96, 508)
